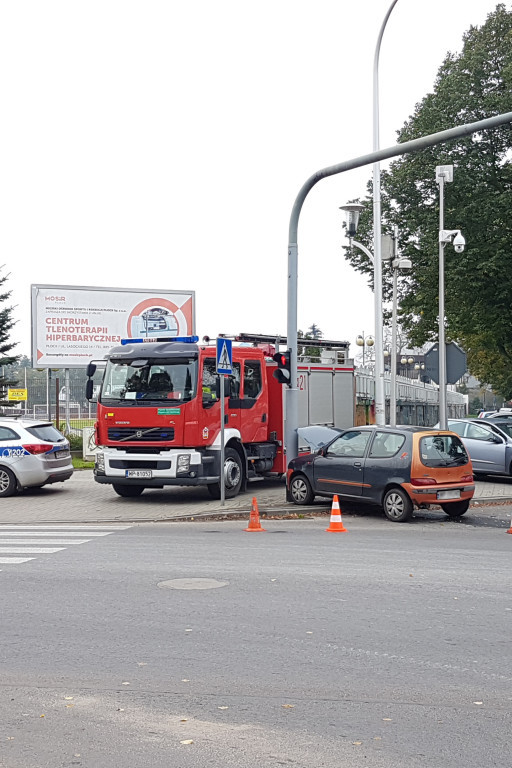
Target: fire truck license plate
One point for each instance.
(448, 494)
(139, 473)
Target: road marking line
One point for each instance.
(15, 560)
(43, 542)
(30, 550)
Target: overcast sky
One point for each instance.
(161, 145)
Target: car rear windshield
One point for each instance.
(46, 432)
(442, 451)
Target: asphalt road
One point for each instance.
(385, 647)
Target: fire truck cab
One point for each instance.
(158, 418)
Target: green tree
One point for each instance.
(470, 86)
(6, 345)
(312, 353)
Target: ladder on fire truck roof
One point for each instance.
(258, 338)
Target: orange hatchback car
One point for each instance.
(396, 468)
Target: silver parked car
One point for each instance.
(32, 454)
(488, 444)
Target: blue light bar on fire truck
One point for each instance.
(183, 339)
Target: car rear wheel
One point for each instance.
(8, 484)
(128, 491)
(301, 491)
(456, 508)
(397, 506)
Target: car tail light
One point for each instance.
(423, 481)
(466, 479)
(38, 448)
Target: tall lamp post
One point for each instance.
(444, 173)
(380, 410)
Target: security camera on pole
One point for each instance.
(444, 173)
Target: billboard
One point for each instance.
(74, 324)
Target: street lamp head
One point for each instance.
(403, 361)
(402, 264)
(360, 341)
(370, 341)
(352, 210)
(410, 360)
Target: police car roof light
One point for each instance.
(182, 339)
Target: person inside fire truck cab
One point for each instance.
(161, 383)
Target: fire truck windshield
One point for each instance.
(131, 381)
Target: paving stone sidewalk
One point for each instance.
(81, 500)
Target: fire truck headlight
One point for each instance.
(183, 465)
(100, 462)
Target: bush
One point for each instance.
(75, 442)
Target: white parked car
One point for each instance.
(32, 454)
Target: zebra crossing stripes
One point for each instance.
(91, 534)
(17, 541)
(61, 527)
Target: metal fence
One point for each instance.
(46, 398)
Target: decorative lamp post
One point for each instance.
(352, 211)
(365, 341)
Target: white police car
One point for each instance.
(32, 454)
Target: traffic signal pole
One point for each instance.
(292, 394)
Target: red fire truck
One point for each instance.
(158, 414)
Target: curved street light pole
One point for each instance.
(415, 145)
(380, 404)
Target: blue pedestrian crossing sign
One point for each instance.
(224, 356)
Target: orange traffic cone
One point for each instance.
(254, 519)
(510, 529)
(336, 525)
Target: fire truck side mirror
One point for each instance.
(89, 389)
(283, 373)
(90, 370)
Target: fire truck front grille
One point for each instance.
(141, 434)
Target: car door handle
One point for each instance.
(357, 464)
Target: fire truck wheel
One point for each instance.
(300, 490)
(128, 490)
(233, 476)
